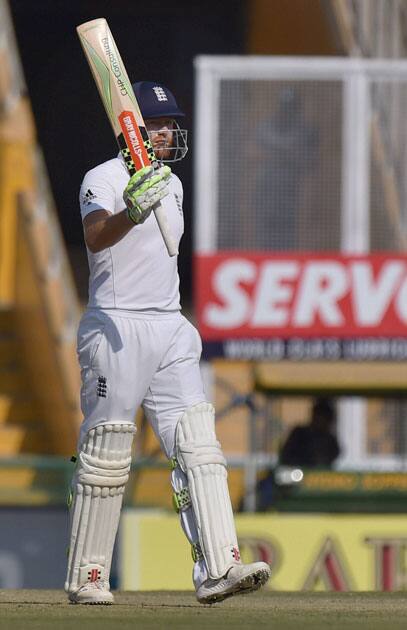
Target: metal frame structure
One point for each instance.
(357, 75)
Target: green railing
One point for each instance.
(45, 480)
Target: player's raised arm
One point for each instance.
(122, 108)
(144, 190)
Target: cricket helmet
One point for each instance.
(157, 101)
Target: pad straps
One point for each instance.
(98, 485)
(200, 457)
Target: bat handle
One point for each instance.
(162, 220)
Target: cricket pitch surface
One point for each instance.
(178, 610)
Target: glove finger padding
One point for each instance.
(139, 178)
(145, 189)
(152, 195)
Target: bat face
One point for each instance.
(121, 107)
(116, 93)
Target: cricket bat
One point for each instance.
(122, 108)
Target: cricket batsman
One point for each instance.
(136, 348)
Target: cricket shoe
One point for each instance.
(91, 593)
(242, 578)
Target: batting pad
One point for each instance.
(98, 485)
(200, 457)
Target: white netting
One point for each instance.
(388, 166)
(307, 154)
(301, 154)
(280, 165)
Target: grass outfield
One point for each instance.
(177, 610)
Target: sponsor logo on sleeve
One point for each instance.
(88, 197)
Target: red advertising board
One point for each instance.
(242, 295)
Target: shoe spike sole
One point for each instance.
(247, 585)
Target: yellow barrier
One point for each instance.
(47, 314)
(306, 552)
(11, 170)
(36, 287)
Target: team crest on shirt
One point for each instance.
(101, 389)
(88, 197)
(178, 202)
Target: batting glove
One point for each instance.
(145, 188)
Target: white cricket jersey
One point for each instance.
(137, 273)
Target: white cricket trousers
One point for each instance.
(128, 359)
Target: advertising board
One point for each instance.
(351, 307)
(340, 552)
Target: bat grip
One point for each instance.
(162, 220)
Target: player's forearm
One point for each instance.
(107, 231)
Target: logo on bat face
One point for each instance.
(133, 138)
